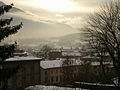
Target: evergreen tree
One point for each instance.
(6, 51)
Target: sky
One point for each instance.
(72, 13)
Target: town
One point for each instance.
(59, 45)
(59, 67)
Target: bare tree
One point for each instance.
(103, 30)
(45, 49)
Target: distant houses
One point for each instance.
(63, 53)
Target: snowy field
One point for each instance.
(41, 87)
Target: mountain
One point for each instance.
(74, 40)
(73, 36)
(1, 3)
(14, 9)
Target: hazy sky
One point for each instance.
(67, 12)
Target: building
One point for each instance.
(54, 72)
(28, 73)
(20, 53)
(64, 53)
(54, 54)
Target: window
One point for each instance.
(56, 71)
(45, 72)
(46, 79)
(56, 78)
(61, 70)
(52, 79)
(61, 79)
(51, 71)
(73, 76)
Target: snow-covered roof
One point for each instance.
(57, 63)
(94, 57)
(56, 50)
(98, 63)
(23, 58)
(71, 54)
(20, 53)
(95, 63)
(51, 64)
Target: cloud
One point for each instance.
(36, 27)
(26, 16)
(44, 23)
(30, 16)
(89, 5)
(73, 21)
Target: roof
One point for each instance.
(71, 54)
(64, 50)
(95, 63)
(57, 63)
(18, 53)
(92, 57)
(51, 64)
(23, 58)
(98, 63)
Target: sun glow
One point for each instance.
(55, 5)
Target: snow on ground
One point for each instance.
(98, 84)
(41, 87)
